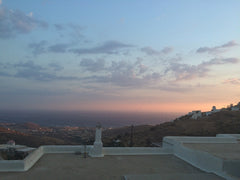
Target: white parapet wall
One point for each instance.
(237, 136)
(175, 140)
(33, 157)
(136, 151)
(201, 159)
(11, 165)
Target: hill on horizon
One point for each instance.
(223, 122)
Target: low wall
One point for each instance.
(135, 151)
(174, 140)
(200, 159)
(11, 165)
(33, 157)
(203, 160)
(237, 136)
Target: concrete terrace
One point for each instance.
(71, 166)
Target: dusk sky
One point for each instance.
(126, 55)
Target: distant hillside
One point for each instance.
(26, 139)
(225, 121)
(218, 121)
(30, 125)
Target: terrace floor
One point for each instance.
(71, 166)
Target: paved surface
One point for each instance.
(71, 166)
(226, 151)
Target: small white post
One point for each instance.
(97, 146)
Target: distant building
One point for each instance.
(235, 108)
(196, 114)
(214, 110)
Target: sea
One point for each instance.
(86, 118)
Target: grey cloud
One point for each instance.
(173, 87)
(94, 66)
(217, 61)
(229, 44)
(233, 81)
(34, 92)
(38, 48)
(34, 75)
(167, 50)
(29, 64)
(186, 71)
(217, 49)
(59, 27)
(4, 74)
(150, 51)
(42, 47)
(126, 74)
(142, 68)
(32, 71)
(13, 22)
(55, 66)
(58, 48)
(109, 47)
(43, 76)
(76, 30)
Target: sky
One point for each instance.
(138, 55)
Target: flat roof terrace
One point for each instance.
(72, 166)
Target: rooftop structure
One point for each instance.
(182, 158)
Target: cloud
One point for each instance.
(0, 2)
(55, 66)
(29, 65)
(30, 70)
(76, 30)
(186, 71)
(59, 27)
(218, 61)
(70, 29)
(109, 47)
(126, 74)
(42, 47)
(38, 48)
(217, 49)
(150, 51)
(234, 81)
(93, 66)
(34, 75)
(14, 22)
(4, 74)
(58, 48)
(41, 75)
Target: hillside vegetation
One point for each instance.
(225, 121)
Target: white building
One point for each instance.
(235, 108)
(214, 110)
(196, 114)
